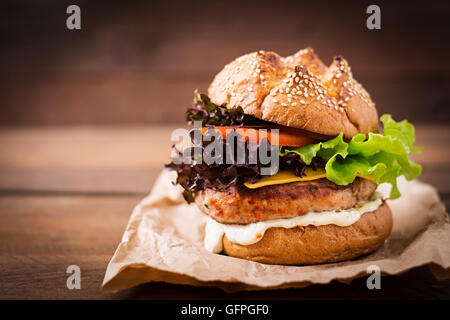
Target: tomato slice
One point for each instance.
(285, 136)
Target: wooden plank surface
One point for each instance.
(66, 194)
(139, 61)
(128, 158)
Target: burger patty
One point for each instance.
(240, 205)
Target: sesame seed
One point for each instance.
(302, 102)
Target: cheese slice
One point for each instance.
(286, 176)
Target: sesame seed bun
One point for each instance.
(297, 91)
(314, 245)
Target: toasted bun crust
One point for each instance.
(297, 91)
(313, 245)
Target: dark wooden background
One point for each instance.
(139, 61)
(85, 119)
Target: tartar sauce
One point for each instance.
(253, 232)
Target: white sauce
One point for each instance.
(253, 232)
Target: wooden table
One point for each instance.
(66, 194)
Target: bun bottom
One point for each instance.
(313, 245)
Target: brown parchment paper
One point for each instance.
(164, 242)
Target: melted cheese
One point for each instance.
(253, 232)
(285, 176)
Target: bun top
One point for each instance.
(298, 91)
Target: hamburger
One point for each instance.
(319, 203)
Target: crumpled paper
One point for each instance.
(163, 241)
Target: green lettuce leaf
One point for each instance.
(383, 156)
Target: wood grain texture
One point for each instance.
(43, 235)
(128, 158)
(67, 185)
(140, 61)
(66, 194)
